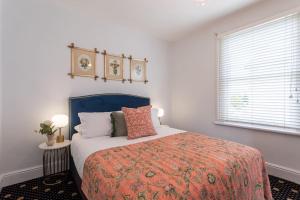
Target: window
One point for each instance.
(259, 75)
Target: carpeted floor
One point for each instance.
(62, 187)
(284, 190)
(58, 187)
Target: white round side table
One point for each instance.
(56, 158)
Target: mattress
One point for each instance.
(82, 147)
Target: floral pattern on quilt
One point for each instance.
(178, 167)
(138, 122)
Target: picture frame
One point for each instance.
(113, 67)
(83, 62)
(138, 70)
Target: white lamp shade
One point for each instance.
(161, 112)
(60, 120)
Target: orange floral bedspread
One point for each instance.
(182, 166)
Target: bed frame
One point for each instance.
(98, 103)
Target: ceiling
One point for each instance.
(165, 19)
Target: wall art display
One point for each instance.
(113, 67)
(83, 62)
(138, 70)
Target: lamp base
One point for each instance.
(60, 139)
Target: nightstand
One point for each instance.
(56, 158)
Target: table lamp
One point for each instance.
(60, 121)
(160, 114)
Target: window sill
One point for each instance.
(286, 131)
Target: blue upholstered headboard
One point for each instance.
(101, 103)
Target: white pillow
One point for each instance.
(154, 117)
(95, 124)
(77, 128)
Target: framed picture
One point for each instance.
(138, 70)
(83, 62)
(113, 67)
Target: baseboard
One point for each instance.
(18, 176)
(284, 172)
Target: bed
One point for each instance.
(173, 164)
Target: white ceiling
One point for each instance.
(166, 19)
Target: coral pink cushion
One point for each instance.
(138, 122)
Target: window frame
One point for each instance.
(249, 126)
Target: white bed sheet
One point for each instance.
(81, 147)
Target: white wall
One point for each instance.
(1, 163)
(194, 88)
(36, 59)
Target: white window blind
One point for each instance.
(259, 75)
